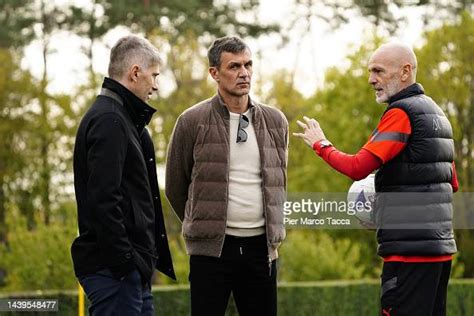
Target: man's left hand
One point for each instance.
(312, 132)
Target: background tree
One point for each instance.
(45, 113)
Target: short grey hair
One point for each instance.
(231, 44)
(131, 50)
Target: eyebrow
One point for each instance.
(374, 68)
(240, 63)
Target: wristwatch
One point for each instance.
(324, 143)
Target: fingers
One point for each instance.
(301, 135)
(301, 124)
(311, 121)
(311, 133)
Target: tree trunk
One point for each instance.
(45, 175)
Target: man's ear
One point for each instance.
(406, 72)
(214, 73)
(133, 72)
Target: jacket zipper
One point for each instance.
(265, 215)
(227, 128)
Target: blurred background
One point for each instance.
(310, 58)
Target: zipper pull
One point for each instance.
(241, 250)
(269, 266)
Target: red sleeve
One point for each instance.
(454, 180)
(391, 135)
(356, 166)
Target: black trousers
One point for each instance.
(410, 289)
(243, 269)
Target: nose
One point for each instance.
(244, 72)
(372, 79)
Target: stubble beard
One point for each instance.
(392, 88)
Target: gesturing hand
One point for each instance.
(312, 132)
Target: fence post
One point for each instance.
(80, 300)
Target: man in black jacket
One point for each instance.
(122, 237)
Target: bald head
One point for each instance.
(392, 68)
(398, 54)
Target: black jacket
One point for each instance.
(414, 192)
(119, 209)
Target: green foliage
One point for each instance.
(457, 267)
(346, 107)
(14, 18)
(315, 255)
(15, 91)
(46, 118)
(39, 258)
(190, 75)
(381, 13)
(347, 112)
(446, 70)
(174, 18)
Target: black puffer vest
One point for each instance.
(414, 192)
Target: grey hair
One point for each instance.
(231, 44)
(131, 50)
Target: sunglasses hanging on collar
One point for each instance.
(241, 133)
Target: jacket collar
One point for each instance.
(139, 111)
(414, 89)
(222, 108)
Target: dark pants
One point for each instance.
(110, 296)
(244, 270)
(414, 288)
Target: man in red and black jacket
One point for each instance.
(413, 150)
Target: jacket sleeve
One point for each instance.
(106, 150)
(179, 166)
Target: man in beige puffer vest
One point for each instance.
(226, 181)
